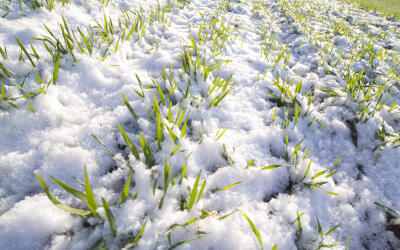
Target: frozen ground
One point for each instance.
(257, 124)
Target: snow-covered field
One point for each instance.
(202, 124)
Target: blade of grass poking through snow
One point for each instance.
(135, 116)
(230, 186)
(159, 130)
(249, 164)
(3, 94)
(55, 73)
(274, 166)
(80, 212)
(186, 241)
(148, 154)
(320, 229)
(129, 143)
(103, 145)
(110, 217)
(91, 202)
(183, 173)
(299, 222)
(125, 192)
(201, 190)
(326, 170)
(5, 71)
(78, 194)
(167, 175)
(307, 170)
(25, 52)
(333, 229)
(253, 228)
(193, 194)
(137, 238)
(89, 48)
(387, 208)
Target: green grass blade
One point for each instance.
(201, 190)
(129, 143)
(333, 229)
(183, 173)
(159, 130)
(231, 186)
(103, 145)
(253, 228)
(272, 166)
(78, 194)
(25, 52)
(80, 212)
(137, 238)
(148, 154)
(55, 73)
(135, 116)
(193, 194)
(91, 202)
(125, 192)
(110, 217)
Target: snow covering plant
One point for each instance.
(171, 119)
(104, 34)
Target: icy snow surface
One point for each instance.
(265, 152)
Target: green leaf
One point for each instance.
(103, 145)
(148, 154)
(159, 130)
(55, 73)
(137, 238)
(110, 217)
(78, 194)
(299, 222)
(125, 192)
(129, 143)
(253, 228)
(273, 166)
(320, 229)
(135, 116)
(91, 202)
(249, 164)
(80, 212)
(25, 52)
(231, 186)
(183, 173)
(193, 194)
(201, 190)
(333, 229)
(186, 241)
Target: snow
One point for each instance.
(55, 137)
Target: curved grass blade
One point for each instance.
(125, 192)
(135, 116)
(110, 217)
(55, 73)
(137, 238)
(129, 143)
(253, 228)
(80, 212)
(230, 186)
(193, 194)
(91, 202)
(78, 194)
(25, 52)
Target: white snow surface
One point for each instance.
(54, 137)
